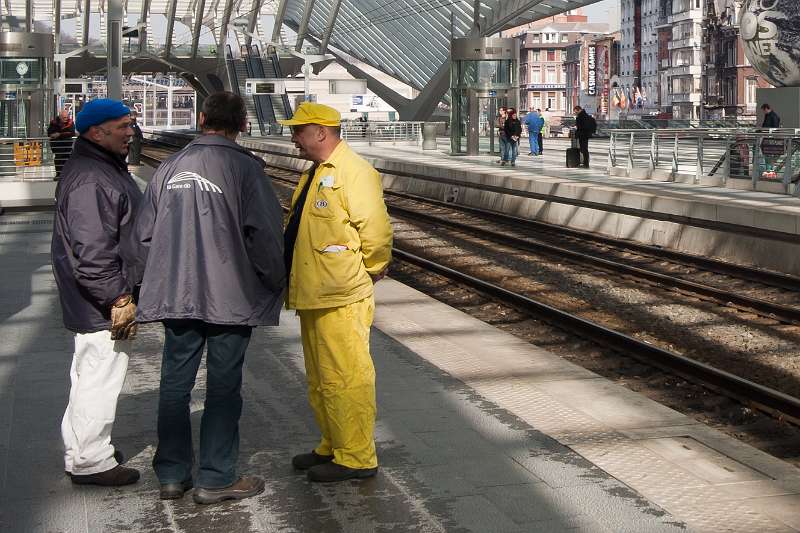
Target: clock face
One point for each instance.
(22, 68)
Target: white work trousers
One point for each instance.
(97, 375)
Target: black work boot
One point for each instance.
(116, 477)
(332, 472)
(304, 461)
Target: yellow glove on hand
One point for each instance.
(123, 320)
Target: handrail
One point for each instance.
(765, 159)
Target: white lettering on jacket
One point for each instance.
(186, 176)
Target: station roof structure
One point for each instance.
(408, 39)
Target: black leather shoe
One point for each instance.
(304, 461)
(174, 491)
(332, 472)
(243, 488)
(116, 477)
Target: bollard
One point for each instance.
(429, 136)
(135, 150)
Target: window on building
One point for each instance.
(551, 55)
(536, 75)
(536, 56)
(564, 38)
(563, 55)
(750, 86)
(535, 37)
(537, 100)
(551, 101)
(551, 75)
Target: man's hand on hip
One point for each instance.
(379, 276)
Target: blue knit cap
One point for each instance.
(98, 111)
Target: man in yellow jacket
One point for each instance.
(338, 243)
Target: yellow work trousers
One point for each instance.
(341, 380)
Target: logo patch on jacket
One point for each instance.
(182, 180)
(321, 204)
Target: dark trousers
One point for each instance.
(541, 146)
(219, 428)
(583, 145)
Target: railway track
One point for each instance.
(757, 395)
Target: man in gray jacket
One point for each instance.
(96, 201)
(209, 243)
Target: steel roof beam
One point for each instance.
(332, 15)
(303, 29)
(143, 26)
(199, 12)
(173, 6)
(255, 10)
(280, 14)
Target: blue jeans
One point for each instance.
(505, 144)
(219, 428)
(533, 137)
(513, 150)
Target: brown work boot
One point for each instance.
(116, 477)
(245, 487)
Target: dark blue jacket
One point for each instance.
(96, 201)
(209, 239)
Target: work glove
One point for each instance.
(123, 319)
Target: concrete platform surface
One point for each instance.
(477, 431)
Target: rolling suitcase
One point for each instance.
(573, 158)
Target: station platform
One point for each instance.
(749, 227)
(477, 431)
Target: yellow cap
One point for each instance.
(313, 113)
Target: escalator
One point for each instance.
(239, 72)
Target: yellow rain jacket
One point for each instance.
(344, 234)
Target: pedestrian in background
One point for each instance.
(542, 132)
(208, 243)
(338, 243)
(771, 118)
(96, 202)
(61, 132)
(533, 123)
(501, 135)
(586, 126)
(513, 131)
(135, 149)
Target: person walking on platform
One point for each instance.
(585, 128)
(540, 138)
(135, 149)
(61, 132)
(771, 118)
(533, 122)
(513, 131)
(338, 243)
(96, 202)
(209, 256)
(501, 135)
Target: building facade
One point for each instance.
(543, 53)
(639, 77)
(730, 81)
(590, 65)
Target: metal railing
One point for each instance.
(382, 132)
(26, 159)
(739, 158)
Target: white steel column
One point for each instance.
(114, 49)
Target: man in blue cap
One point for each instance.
(96, 201)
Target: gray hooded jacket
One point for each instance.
(208, 239)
